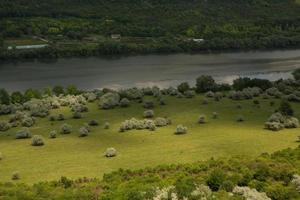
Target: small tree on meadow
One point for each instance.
(285, 108)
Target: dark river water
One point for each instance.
(148, 70)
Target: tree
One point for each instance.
(296, 74)
(205, 84)
(182, 87)
(58, 90)
(17, 97)
(4, 97)
(285, 108)
(31, 93)
(72, 89)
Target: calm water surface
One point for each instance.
(148, 70)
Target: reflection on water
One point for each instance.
(149, 70)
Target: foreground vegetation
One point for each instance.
(270, 177)
(84, 28)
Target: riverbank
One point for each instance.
(161, 46)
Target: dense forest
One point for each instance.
(150, 26)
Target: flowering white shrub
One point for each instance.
(109, 100)
(296, 182)
(65, 129)
(277, 122)
(4, 126)
(137, 124)
(124, 102)
(202, 119)
(180, 129)
(37, 140)
(148, 114)
(110, 152)
(28, 121)
(23, 134)
(250, 194)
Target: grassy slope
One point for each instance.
(72, 156)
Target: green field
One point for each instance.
(72, 156)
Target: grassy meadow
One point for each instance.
(72, 156)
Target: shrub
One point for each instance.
(184, 187)
(202, 119)
(277, 121)
(240, 118)
(15, 176)
(291, 122)
(180, 129)
(90, 96)
(27, 121)
(248, 193)
(160, 122)
(79, 108)
(162, 102)
(65, 129)
(256, 102)
(296, 182)
(148, 114)
(109, 100)
(4, 126)
(83, 131)
(148, 104)
(274, 126)
(60, 117)
(124, 102)
(53, 134)
(23, 134)
(110, 152)
(215, 115)
(210, 94)
(52, 118)
(189, 94)
(77, 115)
(137, 124)
(205, 102)
(227, 185)
(37, 140)
(215, 179)
(106, 125)
(93, 122)
(202, 192)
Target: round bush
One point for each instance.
(23, 134)
(205, 101)
(60, 117)
(240, 118)
(65, 129)
(189, 94)
(148, 114)
(110, 152)
(124, 102)
(180, 129)
(162, 102)
(106, 125)
(77, 115)
(4, 126)
(53, 134)
(52, 118)
(160, 122)
(274, 126)
(93, 122)
(109, 100)
(15, 176)
(215, 115)
(28, 122)
(37, 140)
(202, 119)
(148, 104)
(291, 122)
(83, 131)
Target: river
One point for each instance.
(148, 70)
